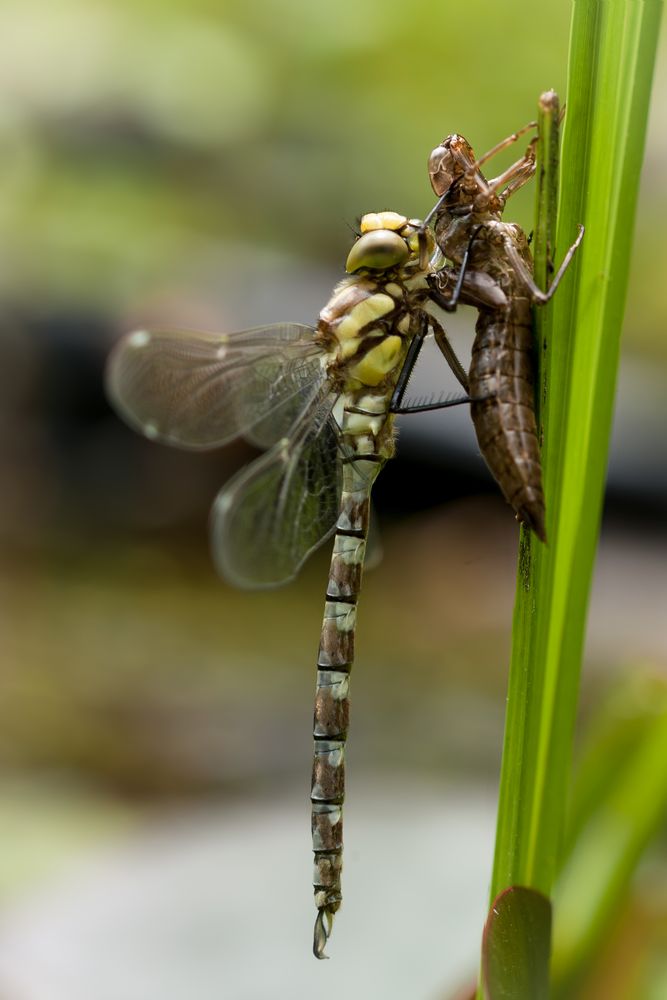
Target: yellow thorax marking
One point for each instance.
(379, 361)
(364, 313)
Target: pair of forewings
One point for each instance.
(269, 385)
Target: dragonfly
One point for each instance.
(491, 268)
(321, 401)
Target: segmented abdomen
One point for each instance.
(334, 663)
(503, 411)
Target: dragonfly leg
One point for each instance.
(521, 171)
(503, 144)
(447, 351)
(408, 367)
(521, 268)
(396, 405)
(456, 294)
(565, 264)
(433, 404)
(517, 175)
(450, 303)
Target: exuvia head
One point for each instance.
(389, 240)
(450, 161)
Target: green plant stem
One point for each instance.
(612, 52)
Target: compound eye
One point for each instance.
(377, 250)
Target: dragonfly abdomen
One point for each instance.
(336, 656)
(501, 385)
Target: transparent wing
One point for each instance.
(199, 390)
(268, 519)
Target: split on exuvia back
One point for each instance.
(321, 401)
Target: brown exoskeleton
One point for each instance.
(490, 267)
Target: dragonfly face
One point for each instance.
(389, 240)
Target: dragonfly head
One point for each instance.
(449, 162)
(388, 241)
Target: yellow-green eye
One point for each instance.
(377, 250)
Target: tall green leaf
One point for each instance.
(612, 54)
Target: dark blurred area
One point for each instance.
(197, 165)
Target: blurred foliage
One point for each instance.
(45, 823)
(139, 140)
(619, 808)
(137, 136)
(151, 677)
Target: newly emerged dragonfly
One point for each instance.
(493, 271)
(321, 401)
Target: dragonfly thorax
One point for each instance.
(367, 324)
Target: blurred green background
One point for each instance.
(200, 164)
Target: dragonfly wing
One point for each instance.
(280, 390)
(199, 390)
(269, 518)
